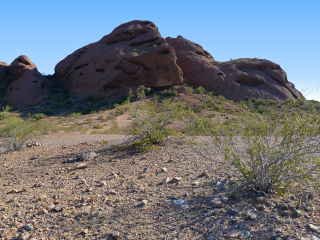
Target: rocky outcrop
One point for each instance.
(4, 71)
(133, 54)
(26, 84)
(235, 79)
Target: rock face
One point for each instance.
(26, 85)
(4, 71)
(235, 79)
(133, 54)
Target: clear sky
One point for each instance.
(283, 31)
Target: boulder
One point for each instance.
(26, 85)
(132, 54)
(236, 79)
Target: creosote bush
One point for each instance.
(272, 151)
(152, 117)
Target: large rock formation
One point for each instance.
(4, 72)
(132, 54)
(26, 84)
(234, 79)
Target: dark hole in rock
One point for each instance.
(80, 66)
(11, 89)
(99, 70)
(136, 44)
(164, 51)
(249, 80)
(81, 74)
(220, 74)
(199, 53)
(35, 81)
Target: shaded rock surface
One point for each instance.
(4, 71)
(132, 54)
(234, 79)
(26, 84)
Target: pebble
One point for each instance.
(296, 213)
(112, 192)
(43, 212)
(144, 202)
(179, 202)
(86, 156)
(81, 166)
(285, 213)
(252, 216)
(166, 180)
(233, 233)
(224, 199)
(116, 234)
(176, 179)
(233, 211)
(312, 227)
(57, 208)
(28, 227)
(164, 169)
(196, 183)
(261, 199)
(13, 191)
(216, 202)
(204, 173)
(42, 198)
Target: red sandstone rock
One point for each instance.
(235, 79)
(27, 85)
(133, 54)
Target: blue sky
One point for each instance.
(285, 32)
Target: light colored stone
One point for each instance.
(81, 166)
(312, 227)
(86, 156)
(224, 199)
(216, 202)
(196, 183)
(144, 202)
(176, 179)
(166, 180)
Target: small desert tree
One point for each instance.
(272, 151)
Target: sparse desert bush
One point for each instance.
(38, 116)
(169, 92)
(272, 151)
(151, 119)
(189, 91)
(198, 126)
(16, 131)
(97, 126)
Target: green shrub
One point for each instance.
(201, 90)
(169, 92)
(97, 126)
(189, 91)
(198, 126)
(152, 118)
(38, 116)
(217, 63)
(272, 151)
(16, 131)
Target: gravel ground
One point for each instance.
(171, 192)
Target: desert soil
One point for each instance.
(48, 193)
